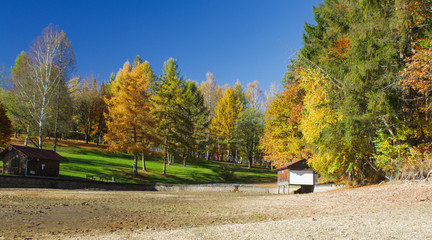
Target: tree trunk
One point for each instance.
(41, 119)
(164, 165)
(165, 157)
(250, 162)
(184, 161)
(253, 149)
(86, 136)
(143, 161)
(40, 134)
(57, 118)
(40, 137)
(56, 122)
(26, 140)
(219, 151)
(27, 135)
(207, 156)
(135, 168)
(228, 155)
(236, 156)
(170, 159)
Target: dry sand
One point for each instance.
(386, 211)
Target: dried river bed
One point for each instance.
(386, 211)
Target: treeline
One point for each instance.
(135, 111)
(357, 98)
(356, 102)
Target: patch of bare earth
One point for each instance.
(388, 211)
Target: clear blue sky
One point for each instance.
(233, 39)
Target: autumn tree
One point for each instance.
(327, 150)
(223, 125)
(5, 128)
(359, 48)
(405, 146)
(270, 95)
(254, 95)
(416, 80)
(87, 102)
(212, 93)
(130, 123)
(283, 140)
(100, 110)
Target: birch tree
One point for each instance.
(51, 60)
(254, 95)
(212, 93)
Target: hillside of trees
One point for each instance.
(135, 111)
(355, 101)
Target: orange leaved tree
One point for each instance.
(5, 128)
(129, 122)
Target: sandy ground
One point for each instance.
(386, 211)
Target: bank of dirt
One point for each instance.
(386, 211)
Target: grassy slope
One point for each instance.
(91, 160)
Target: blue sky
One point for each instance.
(235, 40)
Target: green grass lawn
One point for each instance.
(84, 161)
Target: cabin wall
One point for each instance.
(283, 177)
(44, 168)
(302, 177)
(14, 163)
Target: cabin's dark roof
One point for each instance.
(35, 153)
(293, 164)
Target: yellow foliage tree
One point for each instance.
(5, 128)
(282, 141)
(130, 124)
(227, 112)
(317, 113)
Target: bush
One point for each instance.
(226, 172)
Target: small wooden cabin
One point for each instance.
(297, 173)
(27, 161)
